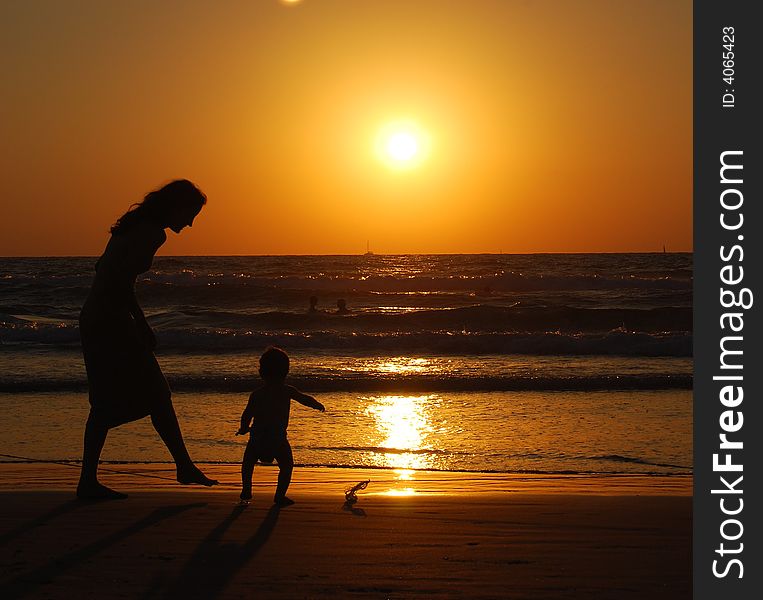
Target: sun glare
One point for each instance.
(402, 144)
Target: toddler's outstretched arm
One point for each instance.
(304, 399)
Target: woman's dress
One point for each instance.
(125, 381)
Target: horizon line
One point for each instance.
(375, 254)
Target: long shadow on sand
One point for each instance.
(52, 514)
(28, 582)
(215, 563)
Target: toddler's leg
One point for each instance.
(247, 470)
(285, 467)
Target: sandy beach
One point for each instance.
(410, 535)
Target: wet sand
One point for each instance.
(410, 535)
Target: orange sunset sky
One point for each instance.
(522, 126)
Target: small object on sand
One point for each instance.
(351, 493)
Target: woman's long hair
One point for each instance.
(159, 204)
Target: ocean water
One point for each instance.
(542, 363)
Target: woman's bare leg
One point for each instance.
(166, 424)
(89, 487)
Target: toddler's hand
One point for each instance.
(321, 407)
(242, 431)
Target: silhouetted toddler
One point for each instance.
(268, 408)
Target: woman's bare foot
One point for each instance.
(246, 495)
(192, 474)
(98, 491)
(283, 501)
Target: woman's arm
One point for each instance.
(147, 335)
(145, 239)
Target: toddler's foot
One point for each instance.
(283, 501)
(98, 491)
(191, 475)
(246, 495)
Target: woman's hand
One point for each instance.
(146, 334)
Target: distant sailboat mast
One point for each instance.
(368, 249)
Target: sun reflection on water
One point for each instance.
(404, 474)
(396, 366)
(400, 492)
(403, 365)
(402, 428)
(402, 477)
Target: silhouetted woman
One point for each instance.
(124, 378)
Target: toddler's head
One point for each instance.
(274, 365)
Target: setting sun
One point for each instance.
(402, 144)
